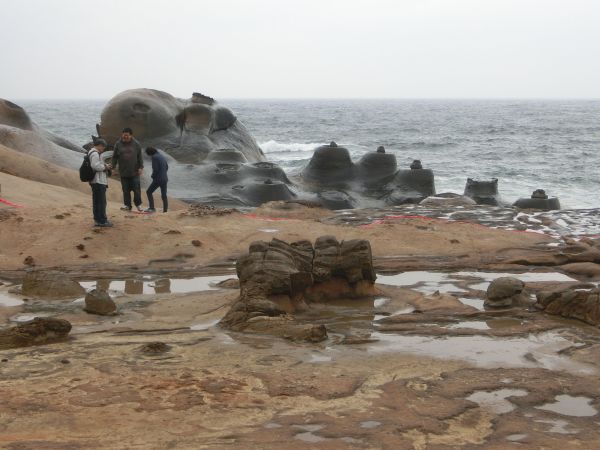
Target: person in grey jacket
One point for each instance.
(127, 154)
(99, 184)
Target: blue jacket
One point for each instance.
(159, 168)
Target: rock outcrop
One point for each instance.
(505, 292)
(50, 285)
(19, 132)
(278, 279)
(539, 200)
(483, 192)
(40, 330)
(577, 304)
(99, 302)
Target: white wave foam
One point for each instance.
(288, 147)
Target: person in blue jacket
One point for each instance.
(159, 179)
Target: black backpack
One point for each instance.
(86, 173)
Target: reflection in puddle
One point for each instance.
(7, 299)
(159, 286)
(308, 435)
(559, 426)
(527, 277)
(516, 437)
(370, 424)
(496, 400)
(568, 405)
(534, 351)
(476, 303)
(268, 230)
(204, 326)
(474, 325)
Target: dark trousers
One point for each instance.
(163, 194)
(99, 202)
(131, 184)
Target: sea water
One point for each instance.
(526, 144)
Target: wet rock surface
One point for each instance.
(577, 304)
(506, 292)
(297, 273)
(99, 302)
(40, 330)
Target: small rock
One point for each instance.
(333, 144)
(80, 247)
(153, 348)
(29, 261)
(87, 238)
(196, 243)
(4, 360)
(84, 256)
(505, 292)
(99, 302)
(381, 149)
(65, 361)
(59, 216)
(173, 232)
(416, 164)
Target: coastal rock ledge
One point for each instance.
(278, 279)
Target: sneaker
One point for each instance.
(106, 224)
(139, 208)
(97, 224)
(150, 210)
(125, 208)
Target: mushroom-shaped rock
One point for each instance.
(411, 186)
(506, 292)
(328, 165)
(376, 167)
(484, 192)
(538, 200)
(99, 302)
(257, 193)
(266, 169)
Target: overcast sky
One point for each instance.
(315, 49)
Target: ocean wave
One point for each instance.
(273, 146)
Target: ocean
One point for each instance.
(527, 144)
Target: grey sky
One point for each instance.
(278, 48)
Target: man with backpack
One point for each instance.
(127, 155)
(93, 170)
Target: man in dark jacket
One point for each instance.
(128, 156)
(159, 179)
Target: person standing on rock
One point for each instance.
(159, 179)
(128, 156)
(99, 183)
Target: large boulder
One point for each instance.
(50, 285)
(538, 200)
(506, 292)
(19, 132)
(411, 185)
(577, 304)
(40, 330)
(483, 192)
(187, 129)
(329, 165)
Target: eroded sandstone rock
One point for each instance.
(505, 292)
(578, 304)
(278, 278)
(99, 302)
(40, 330)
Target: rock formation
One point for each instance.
(577, 304)
(50, 285)
(539, 200)
(482, 191)
(278, 279)
(99, 302)
(40, 330)
(505, 292)
(19, 132)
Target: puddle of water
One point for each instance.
(474, 302)
(159, 286)
(379, 302)
(422, 281)
(268, 230)
(559, 426)
(568, 405)
(317, 358)
(516, 437)
(370, 424)
(482, 351)
(9, 300)
(204, 326)
(475, 325)
(496, 400)
(27, 317)
(308, 434)
(527, 277)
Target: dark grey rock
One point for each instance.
(99, 302)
